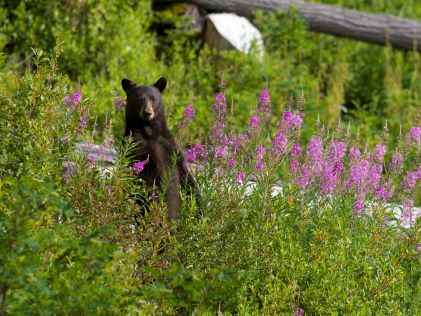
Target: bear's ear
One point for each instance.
(161, 84)
(127, 84)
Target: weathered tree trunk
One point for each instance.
(330, 19)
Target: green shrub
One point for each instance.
(50, 263)
(70, 244)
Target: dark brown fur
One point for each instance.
(145, 121)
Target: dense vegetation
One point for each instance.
(327, 243)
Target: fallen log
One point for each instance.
(373, 28)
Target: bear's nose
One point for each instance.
(147, 115)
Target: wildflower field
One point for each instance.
(303, 210)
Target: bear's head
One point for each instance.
(144, 103)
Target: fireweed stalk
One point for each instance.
(78, 109)
(188, 117)
(334, 167)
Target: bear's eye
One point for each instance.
(152, 99)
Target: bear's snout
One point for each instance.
(148, 112)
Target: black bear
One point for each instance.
(146, 123)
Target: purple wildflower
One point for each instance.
(294, 121)
(315, 148)
(245, 137)
(91, 160)
(217, 133)
(197, 151)
(263, 105)
(382, 193)
(119, 104)
(139, 166)
(238, 142)
(254, 124)
(221, 151)
(232, 162)
(329, 182)
(396, 164)
(83, 122)
(359, 205)
(240, 178)
(414, 135)
(379, 152)
(359, 172)
(189, 113)
(337, 150)
(375, 175)
(354, 153)
(280, 143)
(294, 167)
(296, 150)
(220, 105)
(288, 117)
(76, 98)
(260, 152)
(315, 153)
(305, 177)
(333, 167)
(190, 155)
(338, 167)
(299, 312)
(331, 177)
(259, 166)
(411, 179)
(73, 100)
(68, 101)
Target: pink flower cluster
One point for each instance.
(279, 144)
(259, 155)
(188, 115)
(299, 312)
(325, 171)
(220, 105)
(414, 135)
(73, 100)
(197, 151)
(325, 168)
(411, 180)
(254, 124)
(139, 166)
(263, 104)
(240, 177)
(294, 121)
(119, 105)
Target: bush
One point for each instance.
(326, 243)
(330, 229)
(50, 263)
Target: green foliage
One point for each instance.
(44, 267)
(49, 264)
(98, 36)
(69, 242)
(260, 255)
